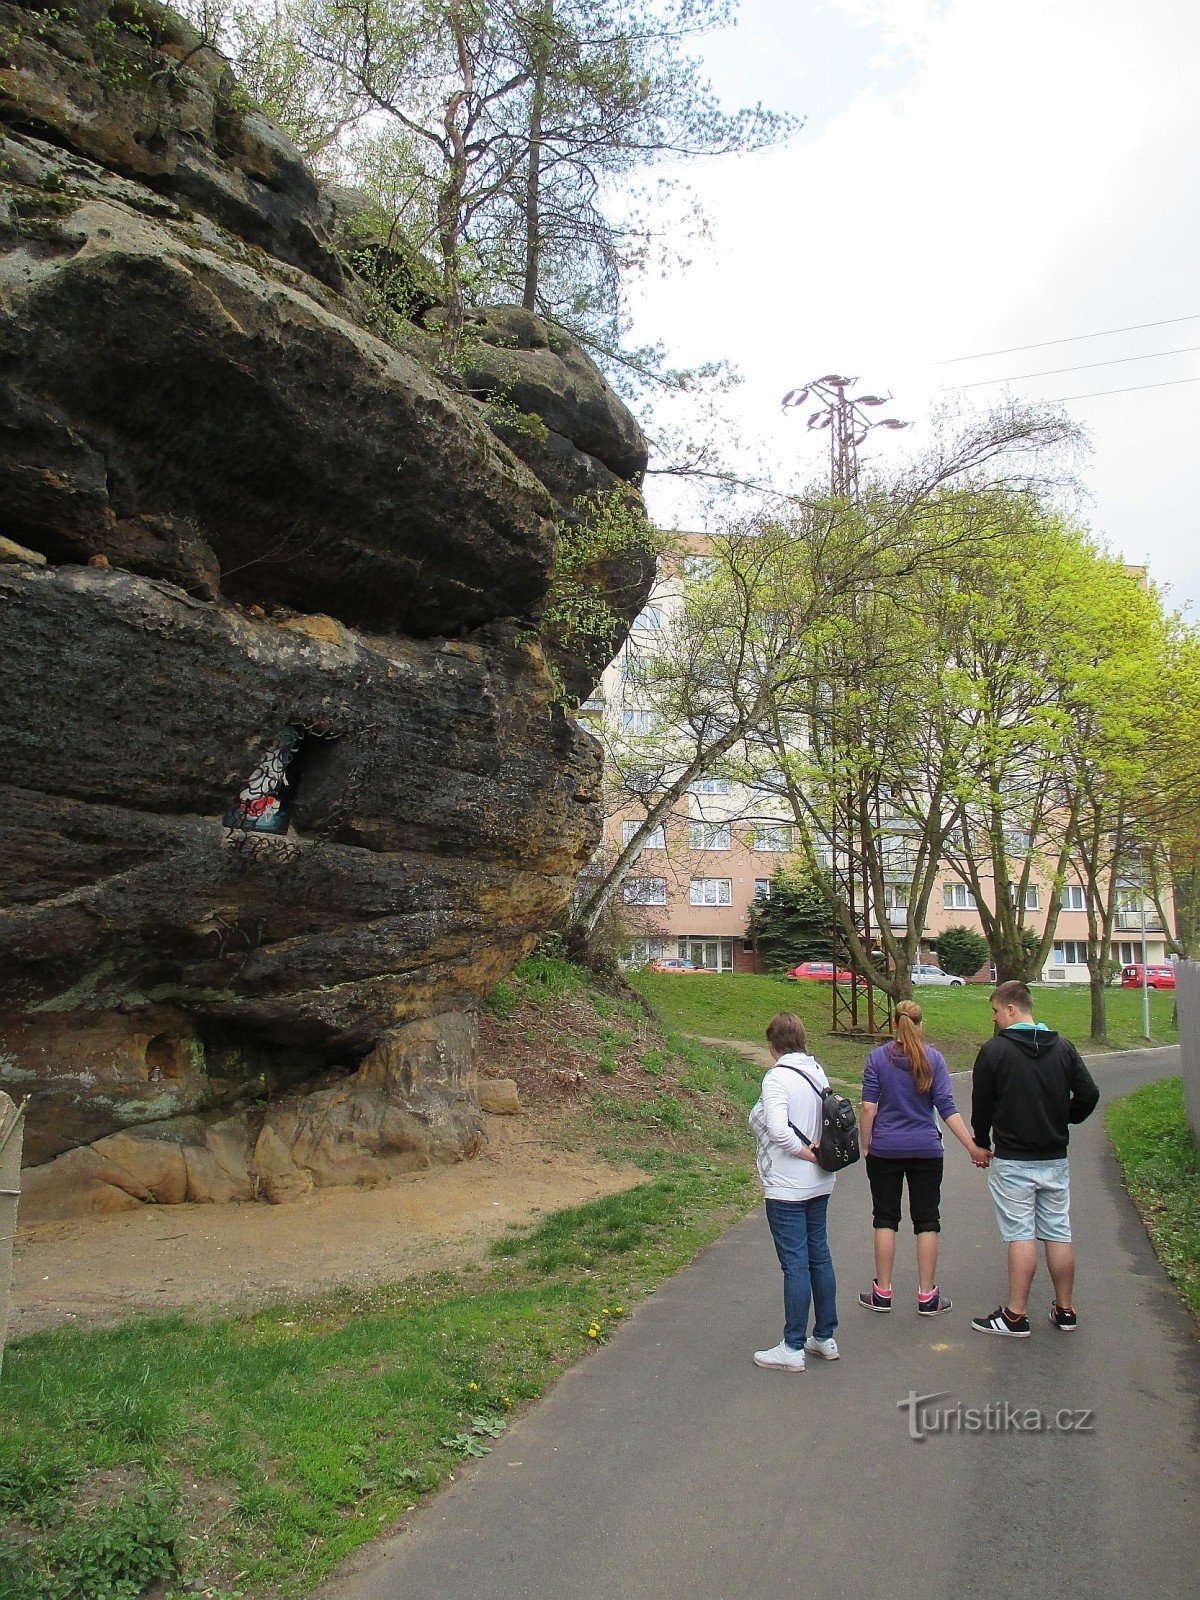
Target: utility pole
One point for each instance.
(847, 419)
(1145, 963)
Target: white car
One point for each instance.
(924, 974)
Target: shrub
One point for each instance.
(961, 952)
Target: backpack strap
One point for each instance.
(820, 1094)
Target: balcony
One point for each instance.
(1131, 922)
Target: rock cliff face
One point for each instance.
(286, 785)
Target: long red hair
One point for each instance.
(910, 1040)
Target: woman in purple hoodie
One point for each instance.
(905, 1083)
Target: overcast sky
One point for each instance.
(973, 175)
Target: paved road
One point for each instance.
(667, 1467)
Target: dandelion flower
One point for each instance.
(472, 1386)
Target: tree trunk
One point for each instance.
(533, 183)
(1099, 998)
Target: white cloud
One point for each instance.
(1031, 176)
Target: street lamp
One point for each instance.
(846, 419)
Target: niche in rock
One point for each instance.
(166, 1057)
(268, 798)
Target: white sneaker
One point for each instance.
(782, 1356)
(825, 1348)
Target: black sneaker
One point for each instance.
(934, 1304)
(1062, 1318)
(1004, 1323)
(876, 1301)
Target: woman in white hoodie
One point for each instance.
(797, 1194)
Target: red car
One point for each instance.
(1156, 977)
(821, 972)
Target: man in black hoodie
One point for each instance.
(1028, 1086)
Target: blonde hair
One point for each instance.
(910, 1038)
(785, 1033)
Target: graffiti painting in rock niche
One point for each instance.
(264, 805)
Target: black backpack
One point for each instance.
(838, 1145)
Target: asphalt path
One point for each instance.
(666, 1466)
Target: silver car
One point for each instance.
(925, 974)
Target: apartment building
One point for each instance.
(698, 874)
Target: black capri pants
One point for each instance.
(887, 1175)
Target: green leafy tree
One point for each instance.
(792, 924)
(961, 951)
(503, 131)
(730, 682)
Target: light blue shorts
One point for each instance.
(1032, 1200)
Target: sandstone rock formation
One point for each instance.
(237, 520)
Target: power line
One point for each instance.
(1104, 333)
(1086, 366)
(1133, 389)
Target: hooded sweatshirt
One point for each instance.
(1029, 1085)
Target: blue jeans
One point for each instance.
(802, 1245)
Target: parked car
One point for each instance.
(929, 974)
(674, 964)
(820, 972)
(1156, 977)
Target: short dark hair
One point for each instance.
(785, 1032)
(1014, 993)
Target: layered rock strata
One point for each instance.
(236, 519)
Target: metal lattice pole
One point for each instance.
(848, 420)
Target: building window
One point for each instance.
(1070, 953)
(773, 837)
(957, 897)
(641, 952)
(1072, 897)
(712, 891)
(654, 840)
(1031, 897)
(709, 786)
(649, 620)
(637, 721)
(709, 836)
(895, 896)
(645, 891)
(762, 888)
(698, 566)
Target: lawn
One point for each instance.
(242, 1456)
(1161, 1164)
(737, 1006)
(246, 1455)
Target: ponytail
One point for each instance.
(910, 1037)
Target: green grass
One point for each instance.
(254, 1452)
(1161, 1163)
(738, 1006)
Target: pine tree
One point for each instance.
(792, 924)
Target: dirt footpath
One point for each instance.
(168, 1257)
